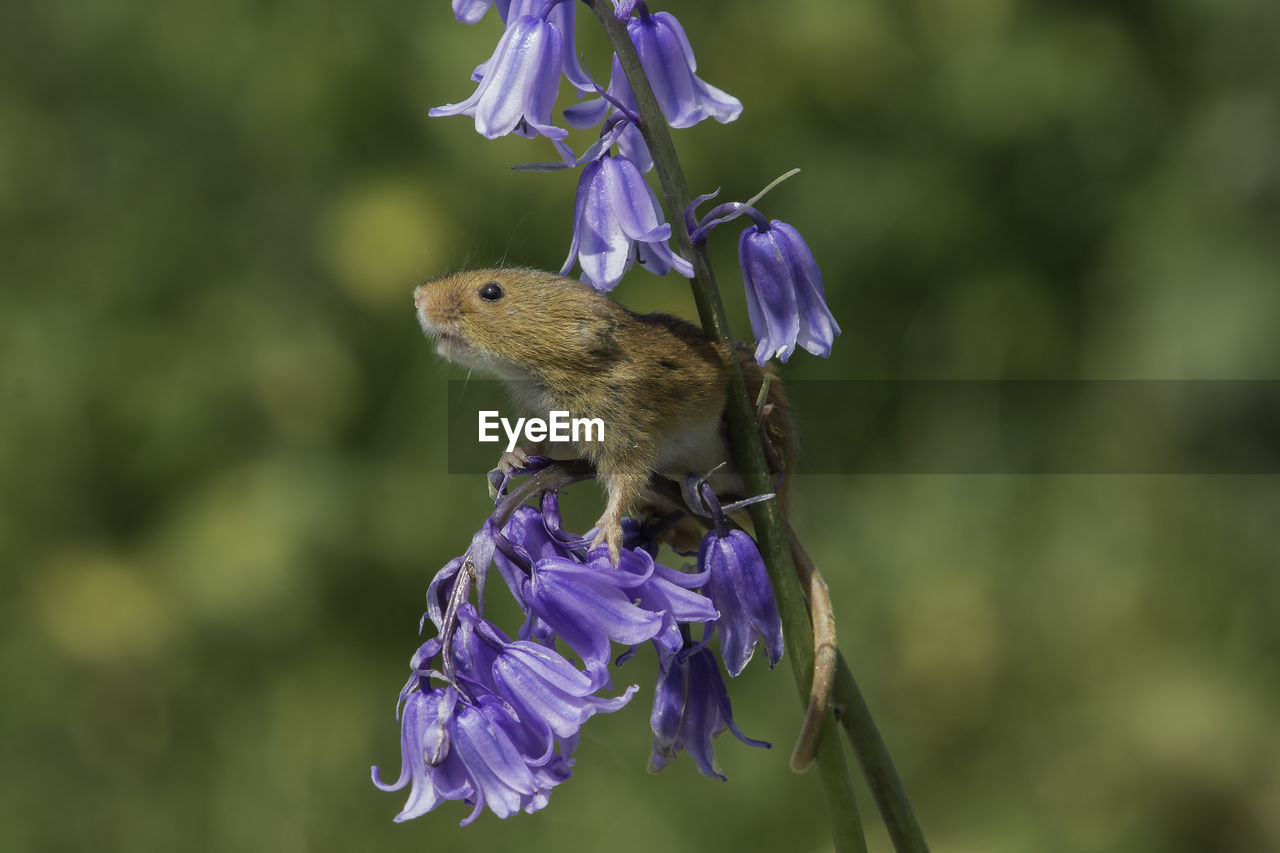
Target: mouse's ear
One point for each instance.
(597, 334)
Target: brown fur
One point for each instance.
(658, 382)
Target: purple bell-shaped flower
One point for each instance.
(668, 61)
(519, 83)
(785, 297)
(741, 591)
(616, 221)
(690, 707)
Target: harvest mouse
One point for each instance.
(658, 382)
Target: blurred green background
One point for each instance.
(224, 484)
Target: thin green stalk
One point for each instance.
(864, 734)
(748, 456)
(877, 766)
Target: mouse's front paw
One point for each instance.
(509, 463)
(609, 532)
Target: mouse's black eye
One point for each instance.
(491, 292)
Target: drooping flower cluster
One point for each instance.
(493, 721)
(617, 219)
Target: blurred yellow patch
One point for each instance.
(235, 549)
(381, 238)
(98, 609)
(307, 384)
(946, 636)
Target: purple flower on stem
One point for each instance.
(532, 535)
(548, 694)
(668, 61)
(519, 85)
(502, 733)
(454, 750)
(669, 64)
(785, 297)
(528, 539)
(690, 707)
(559, 12)
(587, 606)
(484, 743)
(739, 582)
(542, 685)
(617, 220)
(424, 747)
(741, 591)
(664, 591)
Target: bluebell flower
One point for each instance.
(785, 297)
(563, 15)
(617, 220)
(541, 684)
(587, 606)
(549, 695)
(738, 580)
(519, 83)
(531, 535)
(668, 61)
(669, 64)
(661, 590)
(424, 747)
(527, 540)
(741, 591)
(484, 742)
(452, 749)
(502, 733)
(690, 707)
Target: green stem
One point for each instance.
(877, 765)
(748, 456)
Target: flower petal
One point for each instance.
(518, 84)
(501, 778)
(669, 63)
(771, 297)
(635, 207)
(742, 593)
(818, 327)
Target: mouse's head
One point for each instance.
(517, 322)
